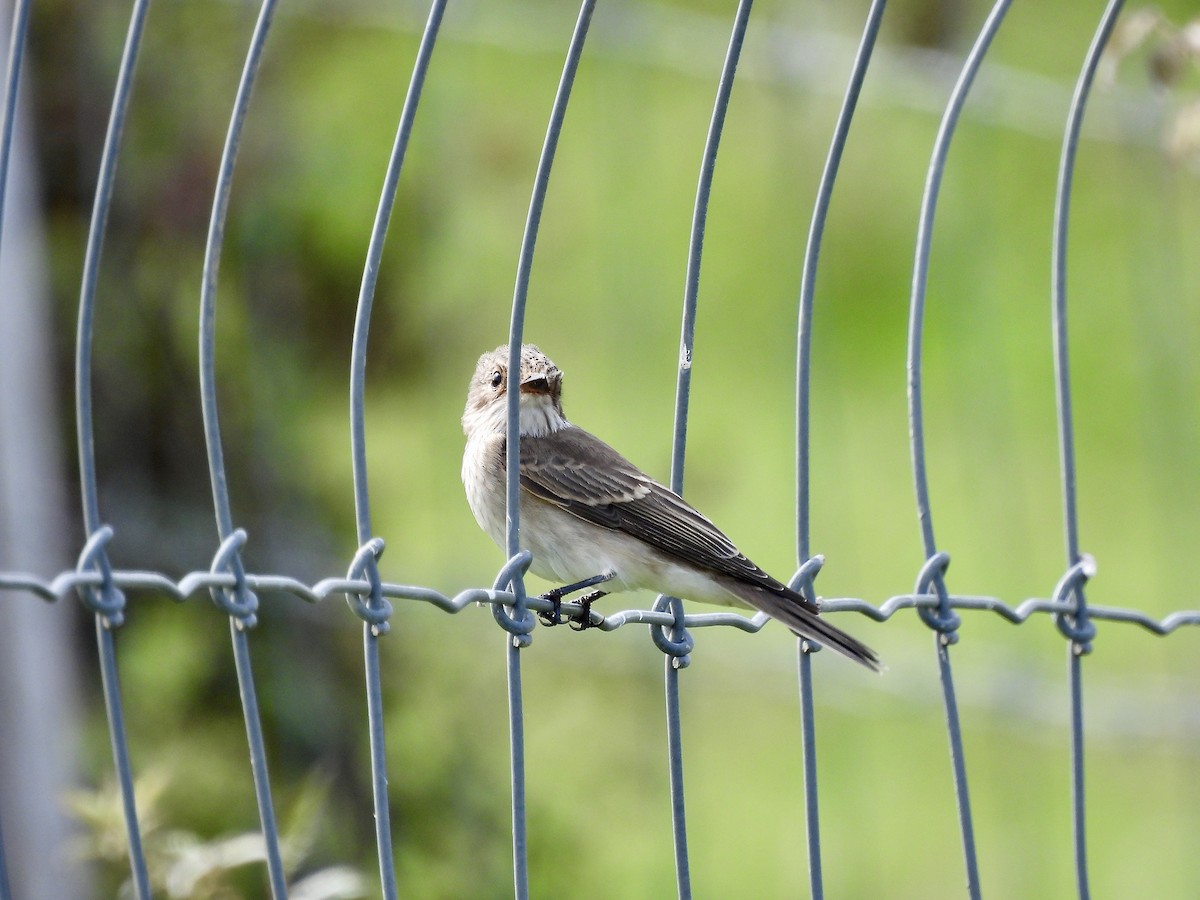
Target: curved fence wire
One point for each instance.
(103, 588)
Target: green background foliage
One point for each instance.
(604, 303)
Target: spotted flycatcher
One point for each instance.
(589, 516)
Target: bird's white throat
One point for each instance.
(538, 417)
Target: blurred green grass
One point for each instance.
(604, 303)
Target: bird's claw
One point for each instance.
(554, 616)
(584, 622)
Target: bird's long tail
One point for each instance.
(796, 613)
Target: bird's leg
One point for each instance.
(554, 617)
(586, 601)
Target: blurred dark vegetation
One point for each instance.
(604, 304)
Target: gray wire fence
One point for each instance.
(103, 589)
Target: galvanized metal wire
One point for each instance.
(372, 607)
(238, 600)
(808, 565)
(678, 644)
(12, 79)
(520, 625)
(1075, 626)
(943, 620)
(103, 588)
(106, 601)
(202, 582)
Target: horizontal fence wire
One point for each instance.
(103, 589)
(196, 585)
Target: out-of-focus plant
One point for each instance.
(1171, 56)
(186, 866)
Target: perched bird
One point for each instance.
(590, 517)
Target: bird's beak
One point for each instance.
(535, 383)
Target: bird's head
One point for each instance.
(540, 384)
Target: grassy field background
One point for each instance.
(605, 305)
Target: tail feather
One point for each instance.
(794, 611)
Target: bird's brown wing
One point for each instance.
(582, 475)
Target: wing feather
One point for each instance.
(584, 476)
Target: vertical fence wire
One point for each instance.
(1078, 821)
(1078, 628)
(708, 162)
(5, 891)
(943, 620)
(239, 602)
(520, 623)
(808, 754)
(516, 714)
(812, 252)
(683, 874)
(106, 602)
(678, 645)
(376, 609)
(929, 201)
(12, 78)
(16, 52)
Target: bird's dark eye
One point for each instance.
(497, 378)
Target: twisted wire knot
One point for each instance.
(942, 618)
(238, 601)
(680, 644)
(106, 600)
(373, 608)
(511, 577)
(802, 583)
(1078, 626)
